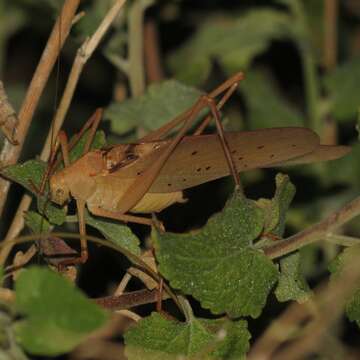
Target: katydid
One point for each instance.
(151, 174)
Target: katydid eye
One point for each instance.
(130, 157)
(59, 192)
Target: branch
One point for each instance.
(136, 47)
(84, 53)
(8, 117)
(324, 308)
(316, 232)
(10, 153)
(129, 300)
(153, 66)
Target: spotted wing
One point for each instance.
(199, 159)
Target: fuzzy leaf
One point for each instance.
(94, 15)
(30, 175)
(160, 104)
(119, 234)
(78, 150)
(345, 170)
(284, 194)
(218, 264)
(57, 316)
(232, 41)
(292, 284)
(27, 174)
(55, 214)
(37, 223)
(9, 348)
(157, 338)
(266, 107)
(352, 307)
(343, 85)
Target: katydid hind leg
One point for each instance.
(143, 182)
(204, 124)
(64, 148)
(224, 144)
(95, 121)
(227, 86)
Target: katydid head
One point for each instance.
(59, 190)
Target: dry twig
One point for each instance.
(10, 153)
(316, 232)
(8, 117)
(84, 53)
(325, 308)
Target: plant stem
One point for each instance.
(316, 232)
(330, 33)
(324, 308)
(311, 88)
(302, 38)
(342, 240)
(85, 51)
(136, 46)
(153, 66)
(10, 153)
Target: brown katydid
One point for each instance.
(150, 175)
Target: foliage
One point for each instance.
(215, 258)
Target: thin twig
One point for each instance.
(325, 307)
(8, 118)
(316, 232)
(342, 240)
(152, 56)
(330, 52)
(136, 47)
(330, 303)
(85, 51)
(10, 153)
(330, 33)
(129, 300)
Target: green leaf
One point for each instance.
(343, 86)
(160, 104)
(231, 40)
(94, 15)
(352, 307)
(118, 234)
(57, 316)
(266, 107)
(99, 141)
(292, 284)
(55, 214)
(36, 222)
(284, 194)
(345, 170)
(218, 264)
(27, 174)
(158, 338)
(9, 348)
(30, 175)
